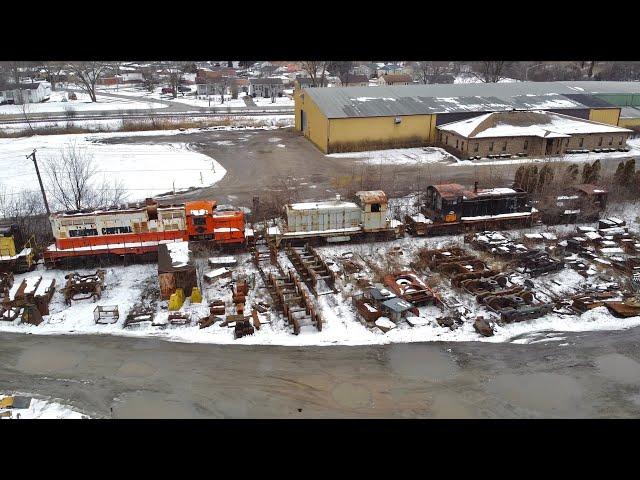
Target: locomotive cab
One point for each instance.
(374, 205)
(200, 223)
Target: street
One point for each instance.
(596, 374)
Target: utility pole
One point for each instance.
(32, 155)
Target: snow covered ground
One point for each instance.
(82, 104)
(399, 156)
(144, 169)
(424, 155)
(42, 409)
(124, 286)
(115, 125)
(202, 101)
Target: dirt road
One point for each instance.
(257, 160)
(594, 375)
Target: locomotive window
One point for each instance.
(375, 207)
(199, 221)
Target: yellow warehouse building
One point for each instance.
(366, 118)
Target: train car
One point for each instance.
(450, 208)
(16, 254)
(139, 229)
(205, 222)
(336, 220)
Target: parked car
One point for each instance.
(182, 88)
(168, 90)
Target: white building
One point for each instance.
(265, 87)
(27, 93)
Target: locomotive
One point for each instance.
(139, 229)
(337, 220)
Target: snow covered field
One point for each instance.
(114, 125)
(42, 409)
(203, 101)
(124, 286)
(144, 169)
(82, 104)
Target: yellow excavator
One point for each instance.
(16, 255)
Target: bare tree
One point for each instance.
(88, 74)
(149, 78)
(24, 107)
(175, 70)
(312, 68)
(343, 71)
(430, 72)
(490, 71)
(221, 85)
(52, 71)
(74, 182)
(26, 210)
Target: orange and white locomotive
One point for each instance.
(140, 229)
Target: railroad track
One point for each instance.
(168, 115)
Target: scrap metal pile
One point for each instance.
(30, 301)
(524, 259)
(83, 287)
(291, 299)
(512, 301)
(313, 269)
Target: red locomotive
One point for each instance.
(141, 228)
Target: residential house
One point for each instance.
(302, 82)
(26, 93)
(395, 79)
(367, 69)
(353, 80)
(265, 87)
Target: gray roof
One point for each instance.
(397, 305)
(629, 112)
(379, 101)
(266, 81)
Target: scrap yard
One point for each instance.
(351, 273)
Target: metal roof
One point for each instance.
(629, 112)
(397, 305)
(345, 102)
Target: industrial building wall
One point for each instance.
(629, 123)
(352, 134)
(605, 115)
(317, 125)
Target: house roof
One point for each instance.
(344, 102)
(527, 124)
(265, 81)
(354, 78)
(397, 78)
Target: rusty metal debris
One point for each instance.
(6, 280)
(139, 315)
(408, 286)
(106, 314)
(83, 287)
(290, 298)
(313, 269)
(179, 318)
(483, 327)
